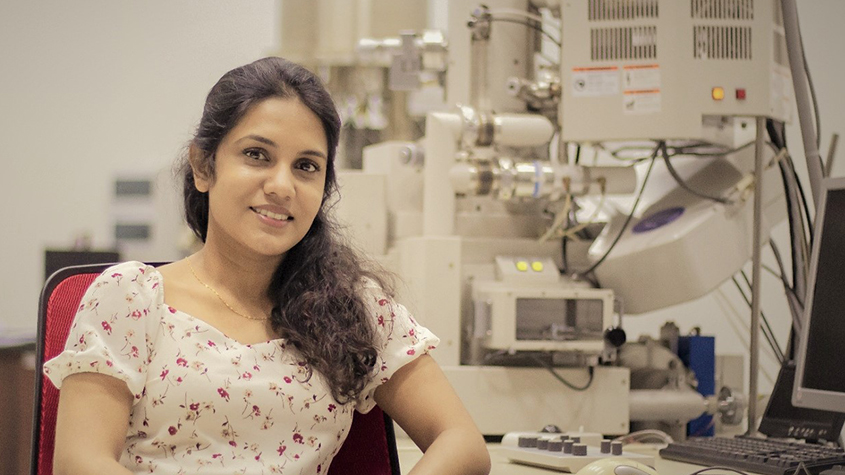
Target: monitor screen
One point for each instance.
(820, 376)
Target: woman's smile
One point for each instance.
(276, 219)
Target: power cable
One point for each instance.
(566, 383)
(682, 184)
(775, 346)
(630, 215)
(529, 25)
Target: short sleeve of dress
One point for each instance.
(114, 329)
(400, 340)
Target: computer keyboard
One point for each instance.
(765, 456)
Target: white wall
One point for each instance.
(93, 88)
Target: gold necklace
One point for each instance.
(221, 298)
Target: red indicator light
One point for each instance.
(740, 94)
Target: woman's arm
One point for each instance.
(91, 427)
(421, 400)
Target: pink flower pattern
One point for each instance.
(205, 403)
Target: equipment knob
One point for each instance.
(579, 449)
(527, 441)
(616, 448)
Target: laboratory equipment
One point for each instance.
(565, 452)
(523, 258)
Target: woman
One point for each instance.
(251, 355)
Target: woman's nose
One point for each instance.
(280, 182)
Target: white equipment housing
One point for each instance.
(681, 247)
(651, 68)
(627, 74)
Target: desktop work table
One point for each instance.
(409, 454)
(17, 393)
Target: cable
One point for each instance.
(683, 185)
(568, 233)
(812, 89)
(559, 219)
(796, 307)
(698, 149)
(516, 12)
(768, 337)
(630, 215)
(767, 329)
(645, 434)
(704, 470)
(560, 378)
(529, 25)
(781, 275)
(690, 150)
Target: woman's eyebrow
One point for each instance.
(315, 153)
(259, 138)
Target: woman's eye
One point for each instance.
(255, 154)
(308, 166)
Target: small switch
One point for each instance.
(616, 448)
(740, 94)
(527, 441)
(718, 93)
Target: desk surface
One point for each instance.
(409, 454)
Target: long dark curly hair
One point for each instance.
(316, 290)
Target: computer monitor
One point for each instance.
(820, 372)
(55, 259)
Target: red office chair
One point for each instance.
(369, 449)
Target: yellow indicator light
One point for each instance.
(537, 266)
(521, 266)
(718, 93)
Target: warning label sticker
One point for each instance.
(646, 76)
(588, 82)
(641, 101)
(641, 89)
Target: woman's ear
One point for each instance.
(200, 168)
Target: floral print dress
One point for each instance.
(205, 403)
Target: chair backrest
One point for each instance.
(370, 447)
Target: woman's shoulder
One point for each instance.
(131, 277)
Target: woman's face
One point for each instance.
(270, 172)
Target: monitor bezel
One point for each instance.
(803, 396)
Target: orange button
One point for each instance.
(718, 93)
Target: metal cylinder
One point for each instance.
(522, 130)
(665, 405)
(508, 178)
